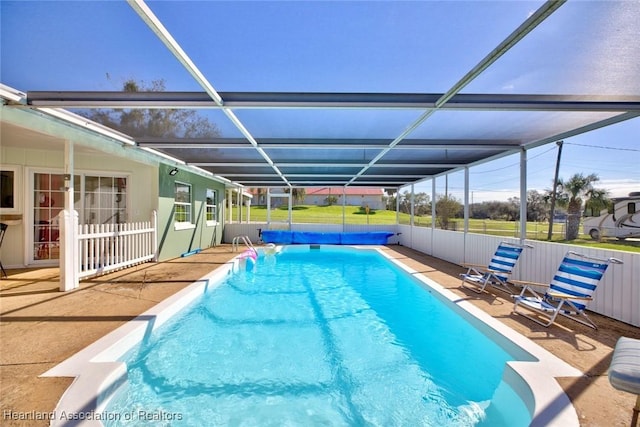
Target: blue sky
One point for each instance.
(360, 46)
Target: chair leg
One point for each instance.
(475, 288)
(4, 273)
(636, 411)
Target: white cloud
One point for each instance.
(616, 188)
(619, 187)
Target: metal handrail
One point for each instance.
(244, 239)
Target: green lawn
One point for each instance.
(322, 214)
(356, 215)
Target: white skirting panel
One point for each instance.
(448, 245)
(242, 229)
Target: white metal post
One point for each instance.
(230, 204)
(268, 207)
(397, 205)
(239, 203)
(433, 213)
(466, 199)
(523, 195)
(412, 206)
(344, 208)
(290, 208)
(411, 217)
(433, 204)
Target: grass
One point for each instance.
(322, 215)
(311, 214)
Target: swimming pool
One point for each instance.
(322, 335)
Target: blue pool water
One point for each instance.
(319, 338)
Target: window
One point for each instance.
(48, 202)
(211, 207)
(631, 208)
(98, 200)
(182, 204)
(105, 200)
(10, 189)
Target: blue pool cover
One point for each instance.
(283, 237)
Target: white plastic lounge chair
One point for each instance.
(478, 277)
(570, 290)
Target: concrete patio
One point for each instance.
(40, 327)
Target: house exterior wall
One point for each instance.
(142, 191)
(33, 142)
(174, 241)
(374, 202)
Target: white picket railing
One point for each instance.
(107, 247)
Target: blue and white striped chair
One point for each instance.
(568, 294)
(497, 273)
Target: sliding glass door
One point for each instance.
(98, 199)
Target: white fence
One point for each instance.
(108, 247)
(617, 295)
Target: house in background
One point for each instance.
(353, 196)
(50, 158)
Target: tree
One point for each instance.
(298, 194)
(598, 202)
(512, 209)
(390, 198)
(160, 123)
(447, 207)
(570, 193)
(421, 203)
(331, 200)
(537, 206)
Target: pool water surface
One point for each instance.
(328, 337)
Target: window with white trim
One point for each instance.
(182, 203)
(211, 207)
(105, 199)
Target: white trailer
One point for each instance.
(621, 221)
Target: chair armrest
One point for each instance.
(567, 296)
(484, 269)
(467, 265)
(527, 283)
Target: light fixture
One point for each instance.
(173, 171)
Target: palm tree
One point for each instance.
(571, 194)
(298, 194)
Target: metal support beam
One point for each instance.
(297, 100)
